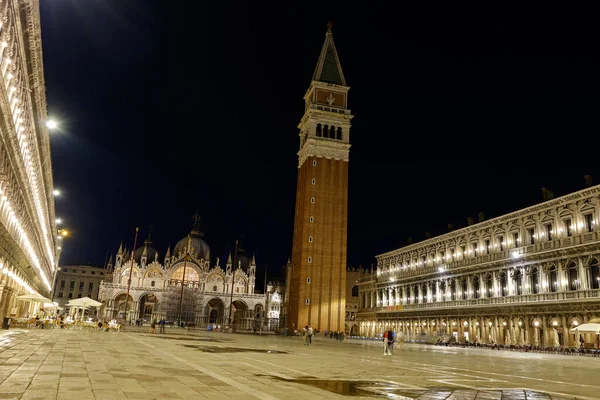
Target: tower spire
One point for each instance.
(329, 69)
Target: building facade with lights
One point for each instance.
(184, 286)
(522, 278)
(75, 282)
(29, 244)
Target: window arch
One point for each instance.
(553, 277)
(215, 288)
(476, 287)
(595, 270)
(573, 277)
(325, 130)
(332, 132)
(152, 283)
(489, 287)
(339, 133)
(319, 130)
(464, 287)
(503, 285)
(535, 284)
(518, 283)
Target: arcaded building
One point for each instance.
(317, 291)
(522, 278)
(29, 243)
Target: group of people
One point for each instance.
(161, 325)
(389, 338)
(308, 334)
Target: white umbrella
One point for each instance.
(34, 297)
(84, 302)
(586, 328)
(556, 341)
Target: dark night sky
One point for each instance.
(167, 110)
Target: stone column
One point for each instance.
(469, 288)
(561, 278)
(546, 339)
(495, 291)
(566, 335)
(583, 276)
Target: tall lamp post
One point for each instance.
(187, 252)
(232, 283)
(130, 273)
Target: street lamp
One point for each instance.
(51, 124)
(58, 221)
(56, 192)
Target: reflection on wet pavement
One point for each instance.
(190, 338)
(214, 349)
(391, 390)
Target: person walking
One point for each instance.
(385, 346)
(306, 335)
(310, 334)
(161, 325)
(390, 342)
(153, 326)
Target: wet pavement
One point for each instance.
(65, 364)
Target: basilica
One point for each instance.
(185, 287)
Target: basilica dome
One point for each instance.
(197, 245)
(151, 253)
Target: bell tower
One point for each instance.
(318, 281)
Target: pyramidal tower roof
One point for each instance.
(329, 69)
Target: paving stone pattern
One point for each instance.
(65, 364)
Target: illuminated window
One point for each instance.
(516, 239)
(589, 222)
(549, 231)
(312, 219)
(531, 234)
(569, 227)
(314, 181)
(307, 280)
(501, 241)
(310, 239)
(309, 259)
(307, 301)
(314, 163)
(312, 200)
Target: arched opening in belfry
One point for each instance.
(325, 131)
(339, 133)
(319, 130)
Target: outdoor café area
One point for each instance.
(40, 312)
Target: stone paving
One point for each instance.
(65, 364)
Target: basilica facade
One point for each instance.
(527, 277)
(184, 287)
